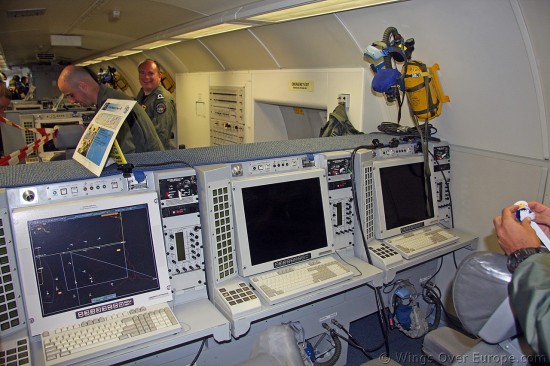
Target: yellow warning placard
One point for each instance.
(302, 85)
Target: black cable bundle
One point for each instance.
(391, 128)
(337, 348)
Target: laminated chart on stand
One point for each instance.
(95, 145)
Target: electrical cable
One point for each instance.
(349, 264)
(198, 353)
(432, 298)
(337, 348)
(395, 129)
(384, 323)
(128, 167)
(351, 341)
(454, 260)
(384, 326)
(436, 272)
(354, 345)
(354, 340)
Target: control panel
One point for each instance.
(404, 149)
(66, 190)
(338, 169)
(442, 177)
(227, 115)
(269, 166)
(178, 196)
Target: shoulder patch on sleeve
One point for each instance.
(160, 96)
(160, 108)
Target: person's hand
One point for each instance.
(512, 234)
(542, 216)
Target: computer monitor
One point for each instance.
(51, 123)
(281, 219)
(88, 258)
(403, 196)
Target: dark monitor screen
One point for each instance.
(281, 219)
(284, 219)
(404, 196)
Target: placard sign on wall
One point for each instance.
(302, 85)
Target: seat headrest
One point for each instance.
(479, 287)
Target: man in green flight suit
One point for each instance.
(529, 262)
(158, 103)
(137, 133)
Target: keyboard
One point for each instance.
(298, 279)
(421, 241)
(15, 352)
(91, 338)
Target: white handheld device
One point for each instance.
(523, 212)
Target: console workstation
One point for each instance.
(196, 252)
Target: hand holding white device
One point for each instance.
(523, 212)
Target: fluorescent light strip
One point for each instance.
(86, 63)
(156, 44)
(215, 29)
(313, 9)
(95, 61)
(106, 58)
(125, 53)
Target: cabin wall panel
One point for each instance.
(483, 183)
(193, 109)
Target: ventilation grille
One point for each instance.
(368, 213)
(45, 56)
(10, 294)
(30, 136)
(223, 248)
(20, 13)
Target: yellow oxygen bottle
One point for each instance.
(423, 90)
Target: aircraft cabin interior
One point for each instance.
(274, 182)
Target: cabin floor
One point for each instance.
(403, 350)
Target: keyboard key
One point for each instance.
(16, 352)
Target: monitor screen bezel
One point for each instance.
(380, 227)
(22, 216)
(246, 268)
